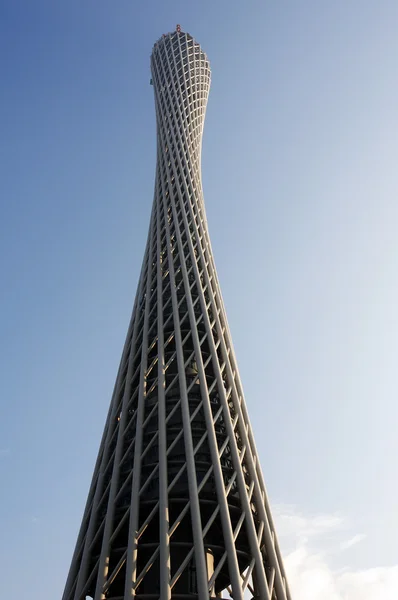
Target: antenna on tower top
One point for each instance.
(178, 28)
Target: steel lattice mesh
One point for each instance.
(177, 506)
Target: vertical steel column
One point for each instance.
(108, 432)
(226, 524)
(105, 548)
(131, 562)
(200, 558)
(164, 575)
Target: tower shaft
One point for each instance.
(177, 506)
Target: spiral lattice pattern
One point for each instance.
(177, 507)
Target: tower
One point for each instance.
(177, 506)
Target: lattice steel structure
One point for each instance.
(177, 506)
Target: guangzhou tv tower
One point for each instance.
(177, 507)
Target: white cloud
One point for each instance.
(313, 542)
(352, 541)
(4, 452)
(309, 576)
(292, 524)
(370, 584)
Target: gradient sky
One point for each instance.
(300, 182)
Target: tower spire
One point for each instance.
(177, 506)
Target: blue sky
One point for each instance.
(300, 182)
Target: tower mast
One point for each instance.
(177, 506)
